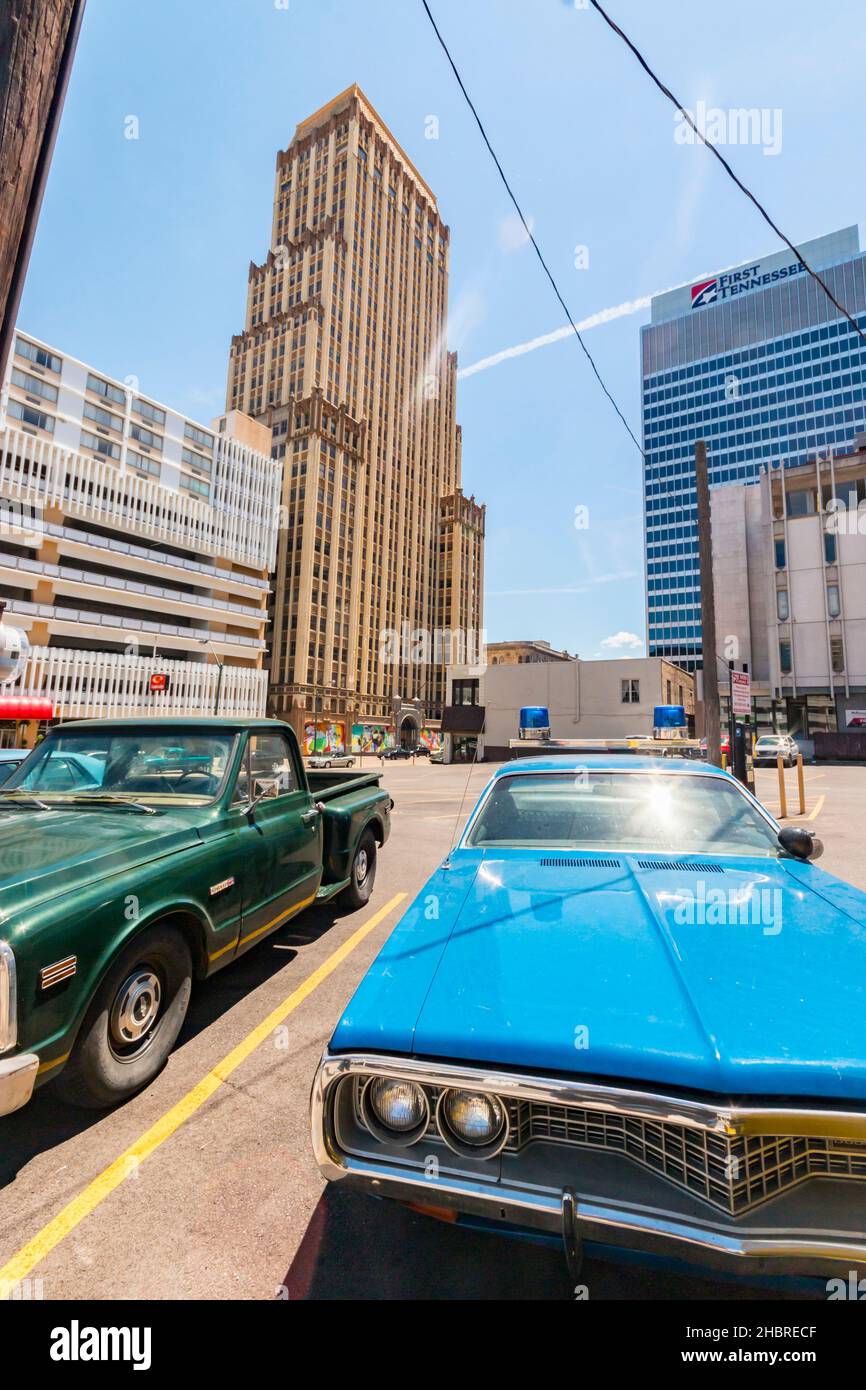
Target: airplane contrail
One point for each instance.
(631, 306)
(617, 311)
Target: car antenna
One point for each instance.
(446, 863)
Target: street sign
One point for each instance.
(741, 693)
(159, 681)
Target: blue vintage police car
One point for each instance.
(627, 1011)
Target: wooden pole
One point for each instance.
(712, 729)
(783, 800)
(37, 46)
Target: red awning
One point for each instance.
(20, 707)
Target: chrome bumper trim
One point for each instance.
(17, 1079)
(748, 1248)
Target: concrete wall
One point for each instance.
(584, 697)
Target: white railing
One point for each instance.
(241, 525)
(97, 685)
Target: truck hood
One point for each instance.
(742, 976)
(44, 853)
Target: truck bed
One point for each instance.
(349, 802)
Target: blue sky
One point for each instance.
(141, 256)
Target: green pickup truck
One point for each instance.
(136, 856)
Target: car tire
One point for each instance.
(327, 764)
(132, 1023)
(363, 874)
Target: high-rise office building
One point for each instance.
(344, 356)
(759, 363)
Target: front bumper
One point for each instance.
(17, 1079)
(780, 1238)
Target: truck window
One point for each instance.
(272, 763)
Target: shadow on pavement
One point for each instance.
(358, 1247)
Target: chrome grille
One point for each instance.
(734, 1174)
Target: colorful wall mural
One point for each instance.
(330, 738)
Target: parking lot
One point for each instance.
(204, 1186)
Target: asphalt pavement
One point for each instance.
(204, 1186)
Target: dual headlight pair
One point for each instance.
(471, 1123)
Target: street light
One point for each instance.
(206, 642)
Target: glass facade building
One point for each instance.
(758, 362)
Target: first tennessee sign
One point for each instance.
(735, 282)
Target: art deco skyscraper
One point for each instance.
(344, 356)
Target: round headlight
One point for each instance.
(472, 1122)
(396, 1110)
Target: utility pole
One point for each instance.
(37, 46)
(712, 730)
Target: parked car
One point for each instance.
(438, 756)
(10, 759)
(396, 753)
(770, 747)
(330, 760)
(725, 744)
(422, 750)
(198, 839)
(630, 1023)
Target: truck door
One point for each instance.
(280, 835)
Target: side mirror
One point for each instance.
(800, 843)
(263, 791)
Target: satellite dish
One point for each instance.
(14, 651)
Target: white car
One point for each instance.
(331, 760)
(770, 746)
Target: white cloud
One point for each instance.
(512, 233)
(618, 641)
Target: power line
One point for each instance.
(528, 229)
(666, 91)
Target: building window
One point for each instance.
(780, 553)
(102, 417)
(464, 692)
(28, 416)
(41, 356)
(802, 503)
(205, 441)
(150, 412)
(100, 445)
(146, 437)
(631, 692)
(830, 547)
(34, 385)
(105, 389)
(834, 607)
(195, 485)
(782, 605)
(837, 654)
(196, 460)
(785, 658)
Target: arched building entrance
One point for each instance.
(410, 729)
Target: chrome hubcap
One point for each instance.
(136, 1007)
(361, 865)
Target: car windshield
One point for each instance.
(647, 812)
(769, 741)
(150, 765)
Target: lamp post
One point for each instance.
(206, 642)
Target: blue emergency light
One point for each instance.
(535, 722)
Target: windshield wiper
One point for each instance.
(27, 800)
(107, 799)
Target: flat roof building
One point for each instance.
(134, 541)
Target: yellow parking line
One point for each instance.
(96, 1192)
(816, 810)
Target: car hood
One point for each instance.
(745, 976)
(43, 853)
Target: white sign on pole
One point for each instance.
(741, 692)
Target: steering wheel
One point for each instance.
(207, 776)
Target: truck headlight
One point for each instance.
(8, 999)
(472, 1122)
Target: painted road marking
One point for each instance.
(817, 809)
(96, 1192)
